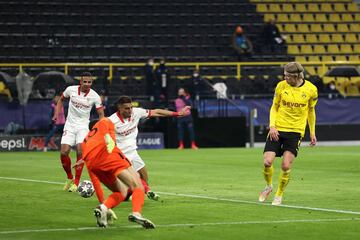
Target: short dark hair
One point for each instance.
(86, 74)
(123, 99)
(92, 123)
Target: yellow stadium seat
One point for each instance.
(319, 49)
(357, 48)
(347, 17)
(329, 27)
(311, 38)
(282, 17)
(334, 17)
(352, 7)
(346, 48)
(339, 7)
(325, 7)
(327, 58)
(327, 79)
(261, 8)
(290, 28)
(269, 16)
(355, 79)
(308, 17)
(302, 28)
(354, 58)
(333, 48)
(342, 27)
(295, 17)
(357, 17)
(350, 38)
(306, 49)
(341, 84)
(341, 58)
(300, 7)
(298, 38)
(314, 59)
(280, 27)
(310, 70)
(320, 17)
(293, 49)
(287, 8)
(337, 38)
(355, 27)
(274, 7)
(324, 38)
(352, 89)
(321, 71)
(313, 7)
(315, 28)
(301, 59)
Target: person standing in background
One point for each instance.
(183, 100)
(58, 125)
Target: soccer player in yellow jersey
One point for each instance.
(293, 105)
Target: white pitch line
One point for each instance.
(184, 225)
(258, 203)
(30, 180)
(211, 198)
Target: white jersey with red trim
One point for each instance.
(127, 129)
(80, 104)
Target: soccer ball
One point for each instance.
(86, 189)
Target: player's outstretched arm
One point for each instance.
(166, 113)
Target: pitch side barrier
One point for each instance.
(110, 67)
(16, 143)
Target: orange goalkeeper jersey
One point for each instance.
(94, 146)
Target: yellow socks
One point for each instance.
(268, 173)
(283, 181)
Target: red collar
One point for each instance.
(121, 118)
(86, 93)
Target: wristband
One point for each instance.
(175, 114)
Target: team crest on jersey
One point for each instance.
(303, 95)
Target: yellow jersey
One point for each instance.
(293, 106)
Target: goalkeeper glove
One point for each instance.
(110, 144)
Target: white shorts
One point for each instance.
(73, 137)
(135, 159)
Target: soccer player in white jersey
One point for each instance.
(126, 120)
(81, 100)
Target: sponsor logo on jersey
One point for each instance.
(128, 131)
(292, 104)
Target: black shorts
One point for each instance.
(288, 141)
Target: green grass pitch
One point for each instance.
(205, 194)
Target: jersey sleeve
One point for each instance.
(275, 105)
(314, 98)
(141, 112)
(66, 93)
(98, 103)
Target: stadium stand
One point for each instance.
(196, 31)
(318, 31)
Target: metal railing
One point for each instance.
(194, 65)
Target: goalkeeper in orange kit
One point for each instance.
(106, 164)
